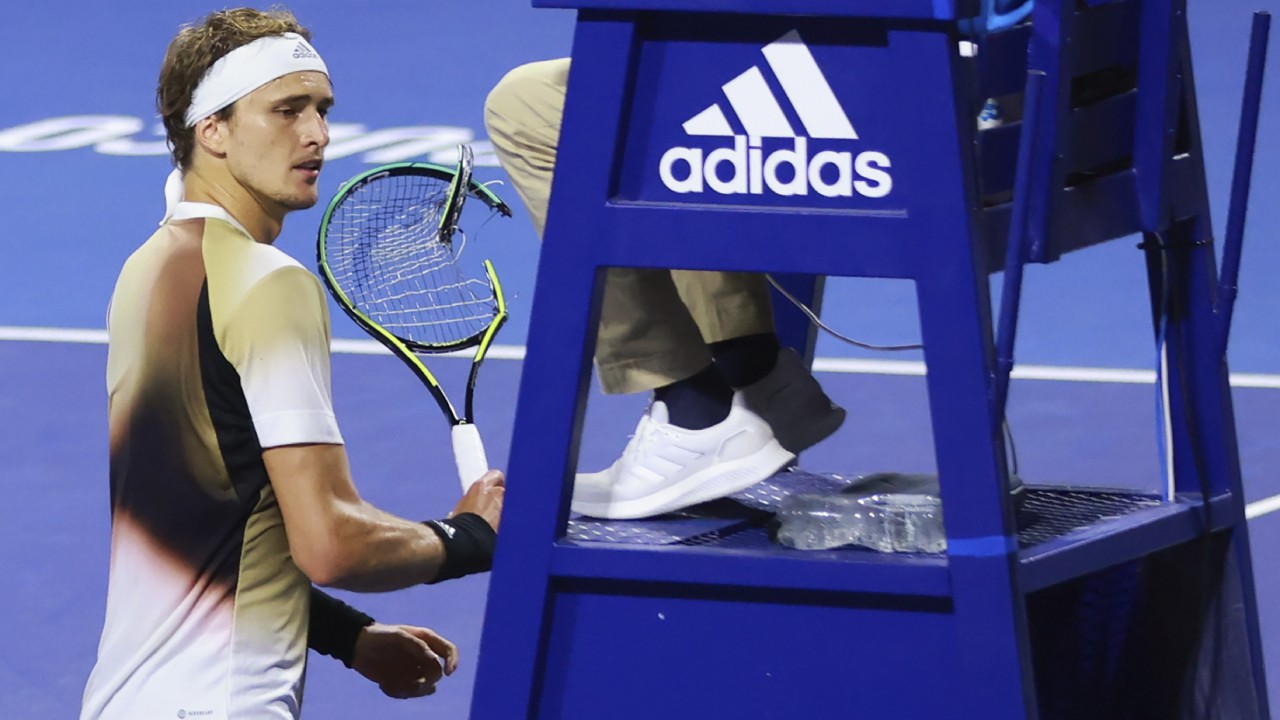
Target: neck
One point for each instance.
(216, 186)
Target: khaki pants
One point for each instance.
(654, 324)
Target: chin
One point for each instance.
(299, 203)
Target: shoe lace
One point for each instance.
(638, 446)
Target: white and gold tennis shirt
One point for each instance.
(219, 347)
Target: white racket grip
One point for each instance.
(468, 453)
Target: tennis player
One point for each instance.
(230, 489)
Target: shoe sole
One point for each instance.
(708, 484)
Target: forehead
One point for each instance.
(308, 82)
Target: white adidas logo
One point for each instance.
(830, 173)
(448, 529)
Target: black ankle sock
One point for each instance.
(747, 359)
(697, 402)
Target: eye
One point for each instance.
(287, 111)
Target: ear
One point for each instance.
(211, 135)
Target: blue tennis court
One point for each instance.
(84, 166)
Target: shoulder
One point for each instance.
(257, 293)
(227, 250)
(237, 268)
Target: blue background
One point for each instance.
(72, 216)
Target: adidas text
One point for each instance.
(745, 169)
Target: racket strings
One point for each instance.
(385, 252)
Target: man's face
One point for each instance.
(276, 140)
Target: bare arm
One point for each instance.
(339, 540)
(336, 538)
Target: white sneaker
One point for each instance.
(794, 404)
(666, 468)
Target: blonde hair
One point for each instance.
(194, 50)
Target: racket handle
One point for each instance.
(468, 453)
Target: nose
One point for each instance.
(315, 131)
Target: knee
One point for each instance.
(529, 95)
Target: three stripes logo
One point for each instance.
(303, 50)
(788, 169)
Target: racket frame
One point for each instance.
(409, 350)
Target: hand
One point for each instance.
(404, 661)
(484, 498)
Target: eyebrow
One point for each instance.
(325, 100)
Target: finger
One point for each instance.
(492, 512)
(442, 647)
(479, 490)
(429, 664)
(489, 481)
(406, 691)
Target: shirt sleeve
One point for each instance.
(278, 341)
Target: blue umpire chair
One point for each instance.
(837, 137)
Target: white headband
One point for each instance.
(248, 68)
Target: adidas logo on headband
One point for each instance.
(303, 50)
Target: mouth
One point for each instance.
(309, 169)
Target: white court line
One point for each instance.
(1032, 372)
(344, 346)
(855, 366)
(58, 335)
(1265, 506)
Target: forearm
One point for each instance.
(374, 551)
(339, 540)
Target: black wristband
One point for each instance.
(334, 627)
(468, 545)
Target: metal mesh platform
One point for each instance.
(1055, 512)
(744, 520)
